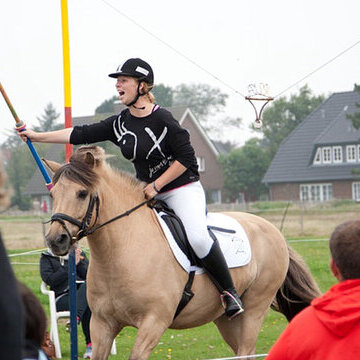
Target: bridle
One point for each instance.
(84, 224)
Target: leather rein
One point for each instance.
(84, 224)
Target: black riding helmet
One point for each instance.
(136, 68)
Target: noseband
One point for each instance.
(84, 224)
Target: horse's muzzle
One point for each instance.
(59, 244)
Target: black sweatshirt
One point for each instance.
(152, 143)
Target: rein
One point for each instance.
(83, 225)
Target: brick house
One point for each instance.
(206, 151)
(320, 158)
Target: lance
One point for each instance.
(21, 126)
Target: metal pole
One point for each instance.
(72, 291)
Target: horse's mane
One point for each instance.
(79, 171)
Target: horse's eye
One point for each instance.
(82, 194)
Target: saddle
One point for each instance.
(177, 229)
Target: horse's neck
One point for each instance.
(116, 198)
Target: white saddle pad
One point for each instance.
(235, 246)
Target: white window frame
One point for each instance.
(337, 154)
(351, 153)
(201, 163)
(356, 191)
(326, 155)
(316, 192)
(317, 157)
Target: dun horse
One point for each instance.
(133, 277)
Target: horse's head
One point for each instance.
(74, 198)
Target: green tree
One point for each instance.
(163, 95)
(107, 106)
(48, 121)
(19, 169)
(243, 170)
(207, 104)
(355, 117)
(202, 99)
(283, 115)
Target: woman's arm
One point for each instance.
(56, 137)
(173, 172)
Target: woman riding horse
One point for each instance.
(135, 280)
(164, 158)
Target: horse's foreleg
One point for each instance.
(102, 337)
(148, 336)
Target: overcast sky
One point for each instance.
(240, 42)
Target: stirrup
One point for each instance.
(235, 300)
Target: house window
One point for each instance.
(326, 155)
(201, 163)
(317, 158)
(215, 196)
(356, 191)
(316, 192)
(337, 154)
(351, 153)
(327, 193)
(304, 193)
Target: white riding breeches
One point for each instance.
(189, 203)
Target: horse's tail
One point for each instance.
(298, 289)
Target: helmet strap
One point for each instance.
(136, 98)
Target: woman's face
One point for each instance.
(126, 86)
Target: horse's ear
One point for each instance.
(52, 165)
(90, 159)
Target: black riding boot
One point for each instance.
(216, 266)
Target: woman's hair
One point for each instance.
(345, 249)
(34, 316)
(147, 90)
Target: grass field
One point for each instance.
(199, 343)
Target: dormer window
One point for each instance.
(317, 158)
(326, 155)
(351, 153)
(337, 154)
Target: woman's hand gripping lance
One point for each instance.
(20, 126)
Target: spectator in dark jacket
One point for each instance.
(11, 320)
(11, 315)
(54, 272)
